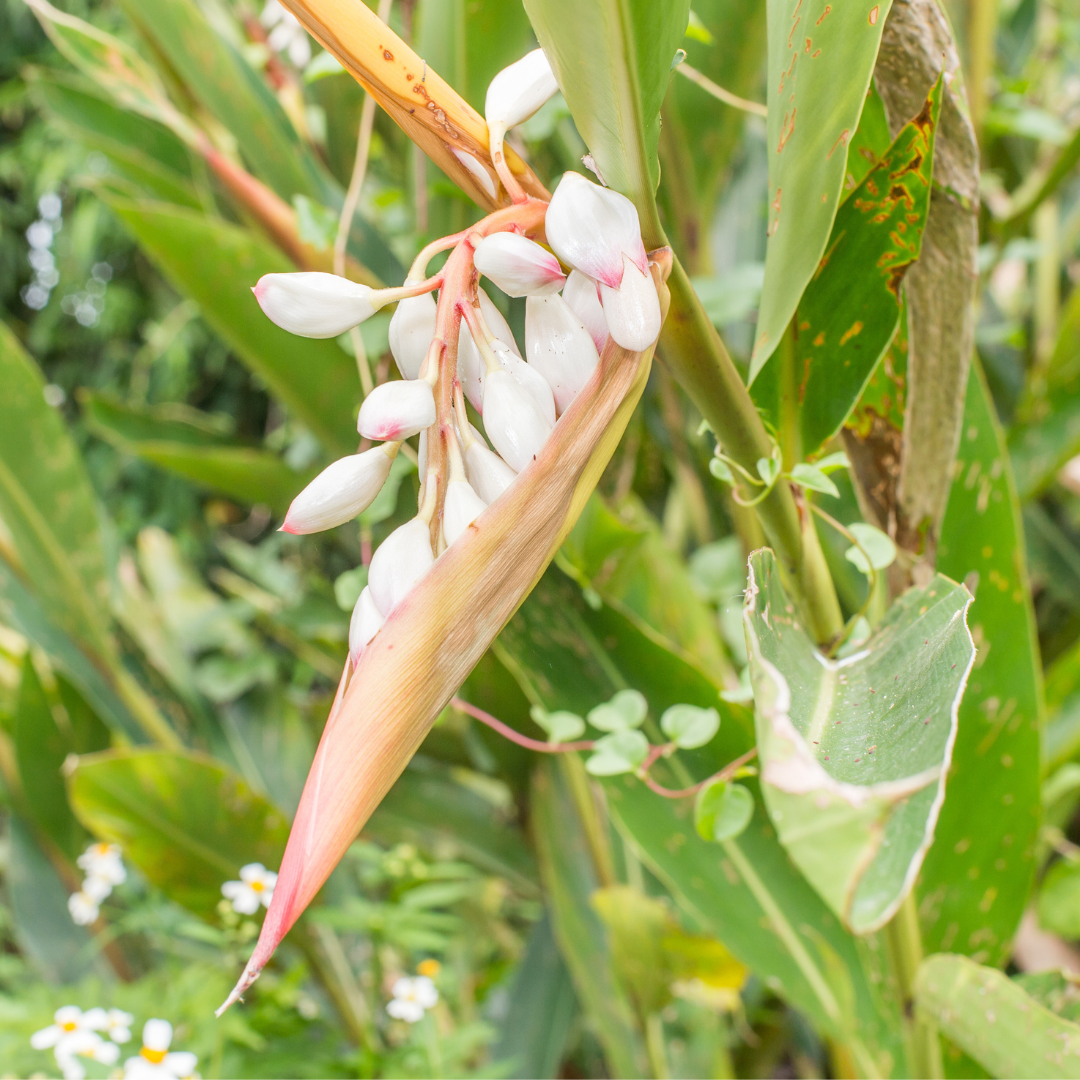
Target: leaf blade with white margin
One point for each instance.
(854, 752)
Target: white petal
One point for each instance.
(513, 424)
(181, 1062)
(96, 888)
(411, 332)
(68, 1014)
(463, 506)
(364, 625)
(46, 1037)
(424, 992)
(105, 1052)
(534, 383)
(313, 304)
(488, 474)
(340, 492)
(399, 562)
(590, 228)
(633, 310)
(157, 1034)
(83, 910)
(519, 90)
(518, 266)
(252, 872)
(580, 293)
(409, 1011)
(478, 170)
(559, 347)
(495, 321)
(397, 410)
(470, 369)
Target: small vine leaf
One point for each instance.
(620, 752)
(855, 752)
(768, 468)
(561, 726)
(626, 710)
(875, 544)
(812, 477)
(722, 810)
(689, 727)
(831, 462)
(720, 470)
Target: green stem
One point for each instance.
(654, 1042)
(143, 708)
(905, 955)
(328, 962)
(692, 349)
(982, 27)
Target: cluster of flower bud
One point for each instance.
(590, 285)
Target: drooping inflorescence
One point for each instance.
(591, 284)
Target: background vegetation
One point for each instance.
(149, 606)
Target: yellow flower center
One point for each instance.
(155, 1057)
(69, 1026)
(430, 968)
(257, 886)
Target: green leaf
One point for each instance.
(561, 726)
(875, 548)
(752, 898)
(870, 141)
(571, 878)
(768, 469)
(700, 134)
(812, 477)
(48, 506)
(40, 749)
(314, 378)
(991, 1018)
(172, 439)
(59, 950)
(141, 150)
(855, 752)
(428, 808)
(833, 462)
(850, 310)
(626, 709)
(612, 59)
(224, 84)
(812, 115)
(186, 821)
(689, 727)
(535, 1030)
(1059, 900)
(722, 811)
(721, 470)
(620, 752)
(974, 886)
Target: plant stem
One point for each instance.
(323, 952)
(905, 955)
(692, 349)
(654, 1044)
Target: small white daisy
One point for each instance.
(154, 1060)
(412, 998)
(255, 887)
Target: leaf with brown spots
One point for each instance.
(851, 308)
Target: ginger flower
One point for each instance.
(255, 887)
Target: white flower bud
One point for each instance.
(514, 426)
(591, 228)
(530, 380)
(364, 625)
(461, 508)
(411, 331)
(397, 410)
(559, 347)
(519, 90)
(340, 492)
(399, 562)
(495, 321)
(519, 266)
(580, 293)
(314, 305)
(489, 475)
(471, 368)
(632, 310)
